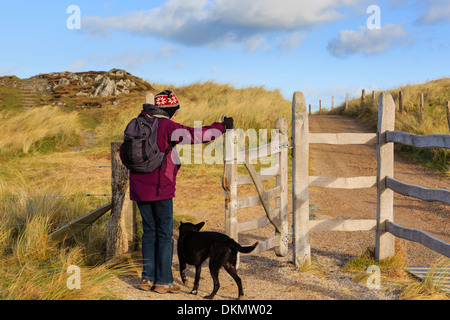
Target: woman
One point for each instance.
(154, 191)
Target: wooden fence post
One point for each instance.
(448, 114)
(320, 106)
(422, 116)
(400, 102)
(282, 183)
(373, 98)
(121, 236)
(346, 101)
(384, 244)
(230, 183)
(300, 181)
(363, 98)
(149, 98)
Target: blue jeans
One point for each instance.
(157, 241)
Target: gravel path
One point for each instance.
(268, 277)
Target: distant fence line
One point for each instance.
(54, 169)
(400, 104)
(56, 196)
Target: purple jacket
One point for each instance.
(160, 183)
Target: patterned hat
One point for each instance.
(167, 101)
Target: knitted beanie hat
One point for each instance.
(167, 101)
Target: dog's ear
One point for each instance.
(199, 226)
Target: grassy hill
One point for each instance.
(436, 94)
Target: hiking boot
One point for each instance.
(146, 285)
(171, 288)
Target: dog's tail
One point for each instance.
(246, 249)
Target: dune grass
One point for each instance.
(395, 279)
(431, 287)
(42, 129)
(30, 269)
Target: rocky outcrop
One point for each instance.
(90, 89)
(106, 88)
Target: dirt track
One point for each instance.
(266, 276)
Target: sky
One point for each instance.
(322, 48)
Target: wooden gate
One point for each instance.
(277, 216)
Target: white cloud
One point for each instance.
(214, 69)
(293, 40)
(222, 22)
(133, 58)
(77, 65)
(278, 14)
(130, 58)
(368, 41)
(253, 42)
(438, 11)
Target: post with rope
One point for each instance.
(122, 228)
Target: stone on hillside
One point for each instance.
(117, 72)
(106, 88)
(63, 82)
(82, 82)
(72, 76)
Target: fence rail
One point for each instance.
(343, 183)
(428, 141)
(343, 138)
(418, 192)
(343, 225)
(77, 225)
(419, 236)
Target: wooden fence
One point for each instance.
(277, 216)
(383, 224)
(122, 230)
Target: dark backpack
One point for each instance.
(141, 151)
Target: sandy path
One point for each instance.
(268, 277)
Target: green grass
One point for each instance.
(11, 97)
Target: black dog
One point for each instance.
(195, 247)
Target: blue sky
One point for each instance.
(320, 47)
